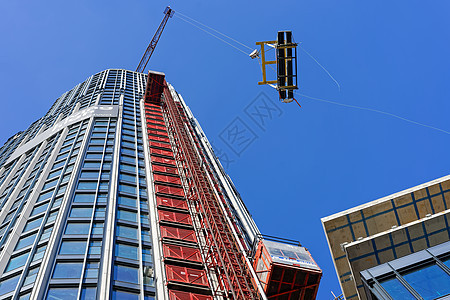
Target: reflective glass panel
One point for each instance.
(73, 247)
(8, 285)
(127, 215)
(87, 185)
(84, 198)
(67, 270)
(25, 241)
(127, 201)
(396, 289)
(81, 212)
(62, 293)
(17, 262)
(88, 293)
(126, 251)
(77, 228)
(127, 232)
(126, 274)
(119, 295)
(430, 282)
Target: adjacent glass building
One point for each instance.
(101, 199)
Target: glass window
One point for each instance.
(127, 188)
(57, 165)
(89, 174)
(84, 197)
(119, 295)
(95, 148)
(128, 168)
(127, 232)
(9, 285)
(62, 293)
(46, 233)
(52, 217)
(50, 184)
(127, 177)
(95, 247)
(98, 228)
(127, 201)
(127, 215)
(81, 212)
(25, 296)
(430, 281)
(40, 251)
(72, 248)
(145, 235)
(54, 173)
(87, 185)
(67, 270)
(144, 219)
(33, 224)
(91, 270)
(88, 293)
(100, 212)
(126, 274)
(127, 251)
(31, 276)
(102, 198)
(77, 228)
(39, 209)
(45, 196)
(97, 141)
(147, 254)
(17, 262)
(25, 241)
(396, 289)
(92, 165)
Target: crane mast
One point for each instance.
(168, 13)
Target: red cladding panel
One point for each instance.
(152, 122)
(159, 138)
(159, 144)
(157, 132)
(186, 275)
(163, 201)
(179, 295)
(162, 160)
(171, 170)
(183, 253)
(178, 233)
(161, 152)
(176, 217)
(167, 179)
(169, 190)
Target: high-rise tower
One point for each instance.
(116, 194)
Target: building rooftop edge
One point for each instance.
(386, 198)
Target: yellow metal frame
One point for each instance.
(264, 62)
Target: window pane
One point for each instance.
(127, 189)
(62, 293)
(87, 185)
(33, 224)
(126, 251)
(81, 212)
(88, 293)
(127, 177)
(127, 232)
(126, 274)
(25, 241)
(89, 174)
(92, 165)
(92, 270)
(127, 215)
(119, 295)
(67, 270)
(39, 209)
(17, 262)
(9, 285)
(430, 282)
(127, 201)
(84, 198)
(45, 196)
(73, 247)
(396, 289)
(77, 228)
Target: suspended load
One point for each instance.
(286, 63)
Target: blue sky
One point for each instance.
(302, 164)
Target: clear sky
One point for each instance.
(301, 164)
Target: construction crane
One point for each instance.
(168, 13)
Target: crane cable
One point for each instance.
(184, 18)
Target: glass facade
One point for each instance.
(70, 185)
(422, 275)
(78, 203)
